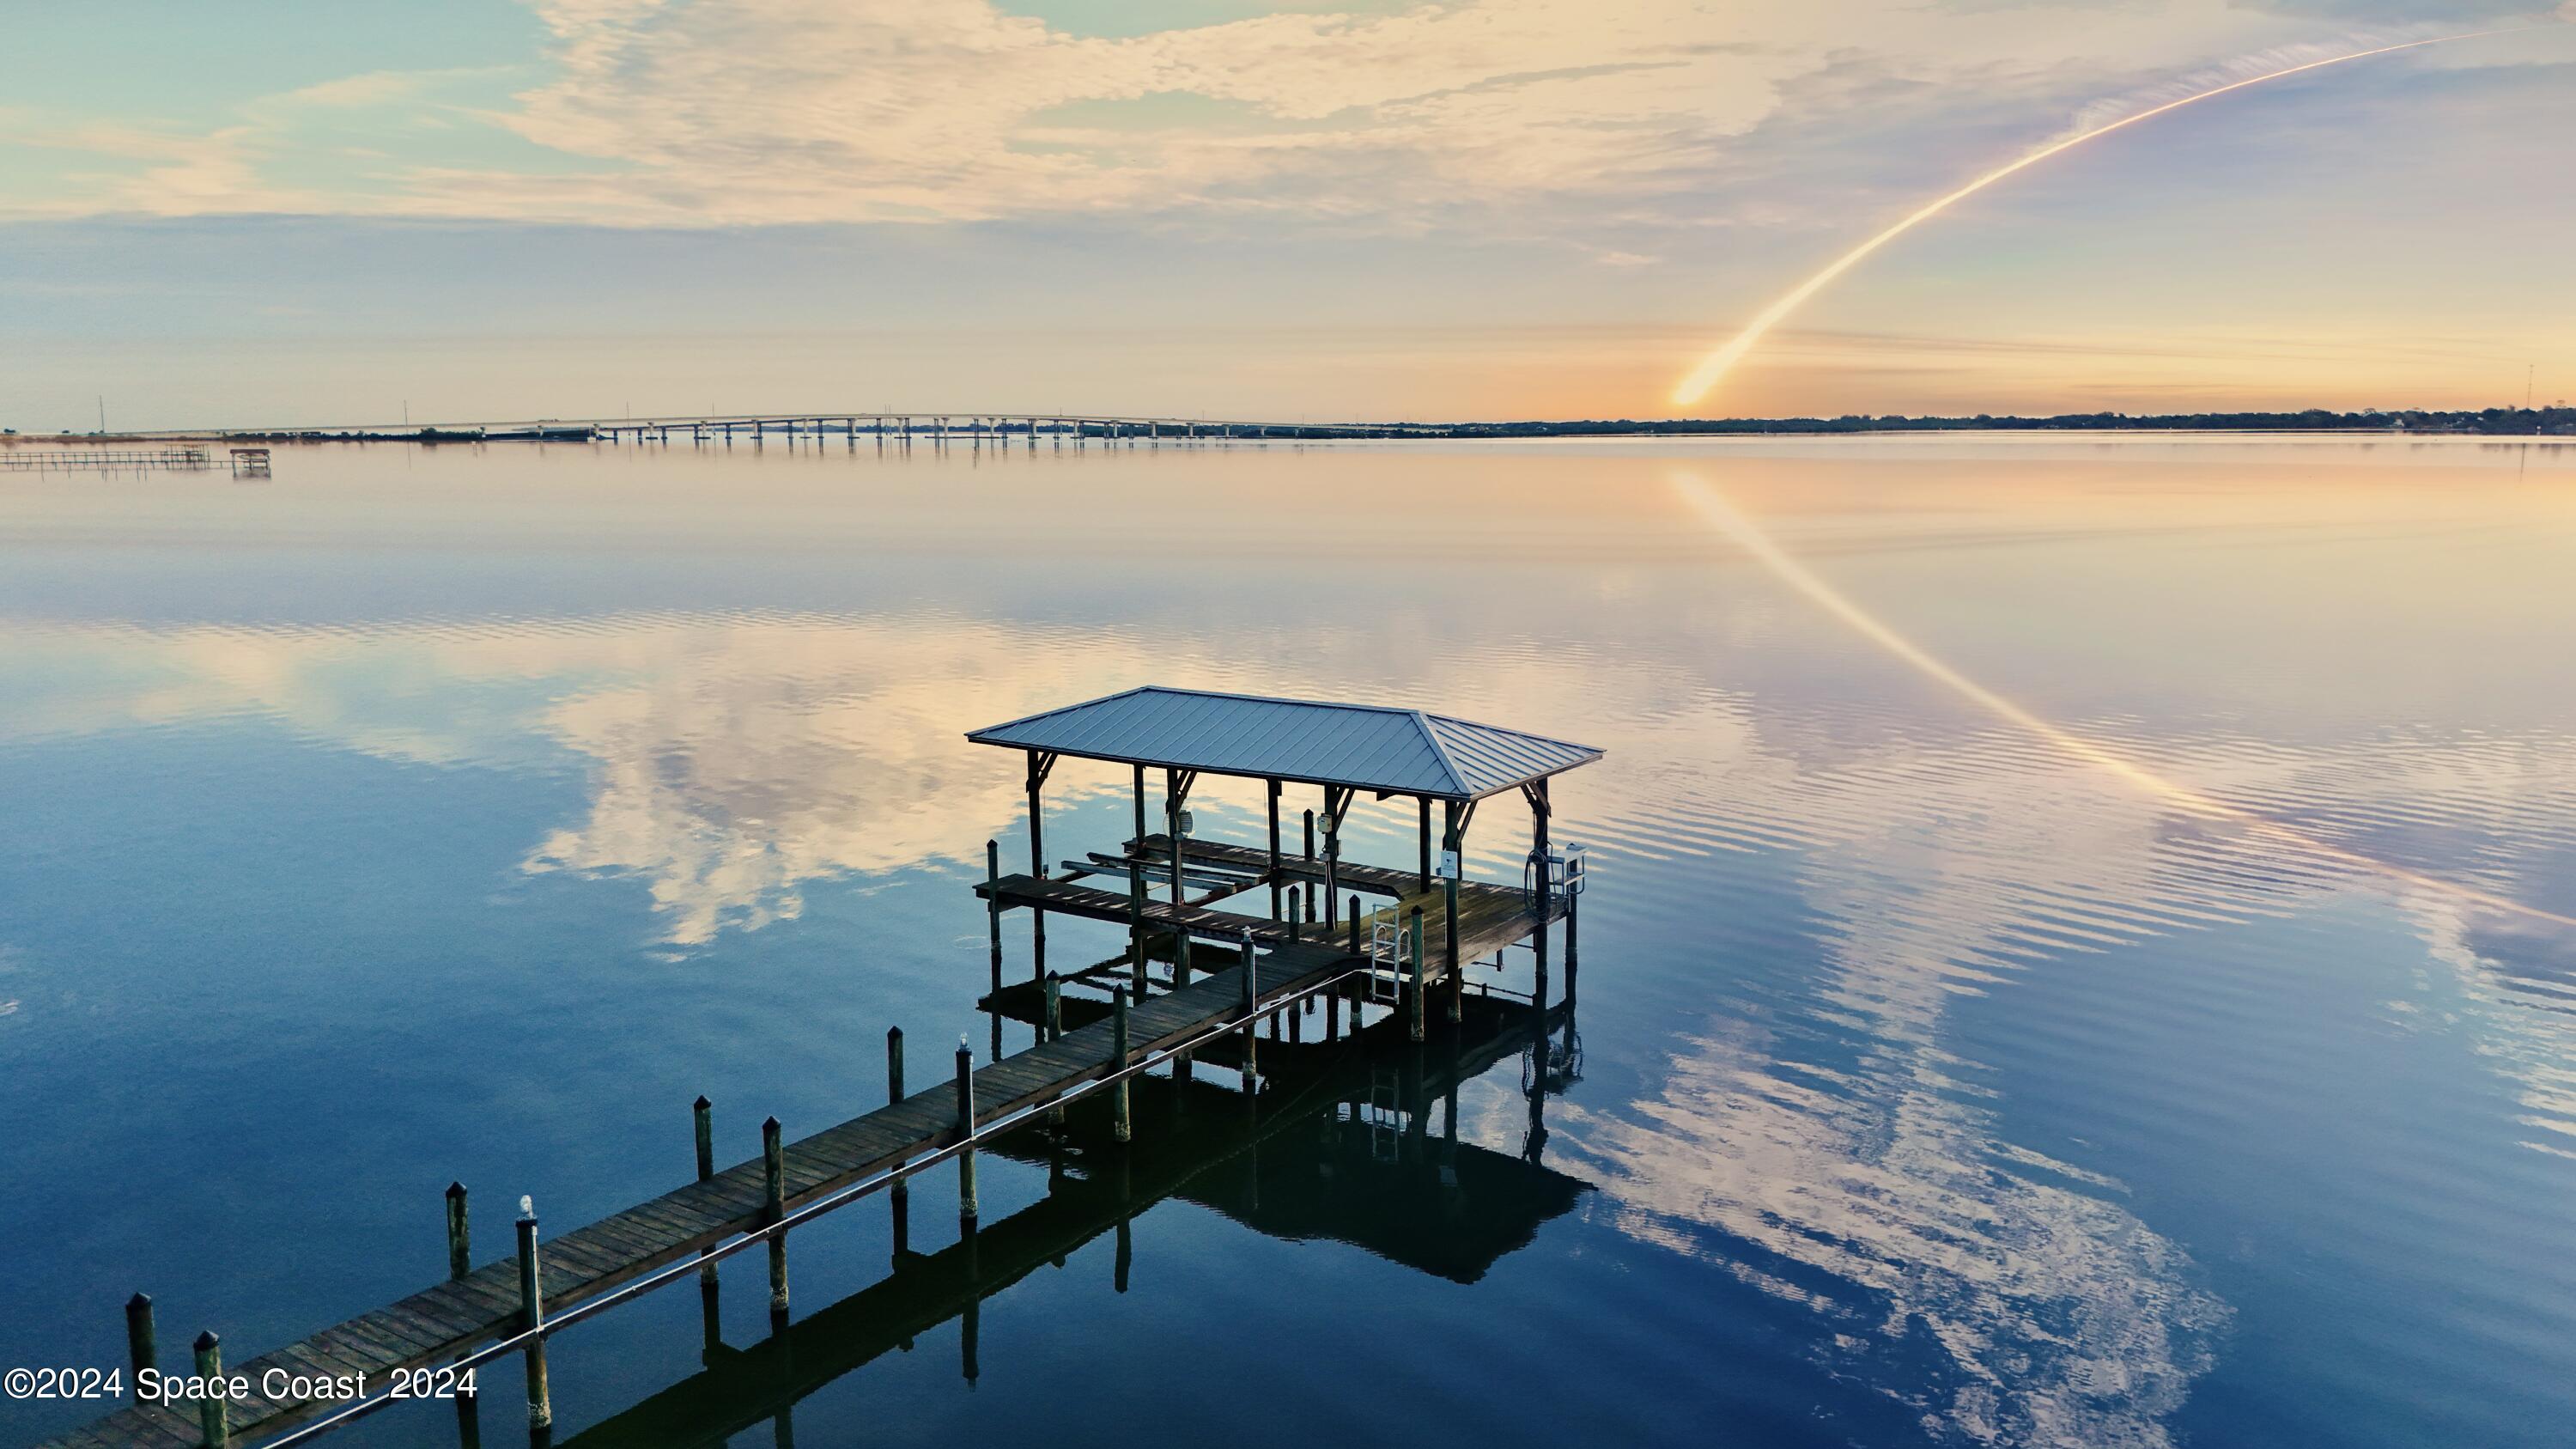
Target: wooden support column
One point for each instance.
(1041, 763)
(1422, 876)
(1272, 787)
(1536, 790)
(1308, 886)
(1453, 838)
(1176, 794)
(1337, 803)
(993, 905)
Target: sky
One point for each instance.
(275, 212)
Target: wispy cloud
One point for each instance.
(731, 112)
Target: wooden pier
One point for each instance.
(439, 1324)
(1231, 974)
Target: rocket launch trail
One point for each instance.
(1713, 368)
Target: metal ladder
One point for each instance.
(1389, 949)
(1384, 1114)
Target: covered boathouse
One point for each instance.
(1406, 949)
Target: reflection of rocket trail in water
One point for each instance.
(1740, 530)
(1716, 365)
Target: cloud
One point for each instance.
(748, 112)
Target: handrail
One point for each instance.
(841, 1197)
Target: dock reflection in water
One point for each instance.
(1355, 1140)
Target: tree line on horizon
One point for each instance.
(2558, 419)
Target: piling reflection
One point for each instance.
(1353, 1140)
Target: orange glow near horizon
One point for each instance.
(1713, 368)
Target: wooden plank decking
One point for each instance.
(1490, 917)
(439, 1324)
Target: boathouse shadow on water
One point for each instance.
(1353, 1141)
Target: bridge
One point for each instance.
(977, 428)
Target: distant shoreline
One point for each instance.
(2554, 421)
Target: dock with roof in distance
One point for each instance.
(1421, 926)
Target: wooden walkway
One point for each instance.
(440, 1324)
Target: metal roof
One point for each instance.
(1369, 747)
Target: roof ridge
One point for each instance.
(1508, 730)
(1254, 698)
(1010, 724)
(1458, 777)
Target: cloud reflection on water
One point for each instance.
(734, 759)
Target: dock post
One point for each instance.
(1251, 1015)
(1421, 982)
(460, 1242)
(1053, 1023)
(1309, 884)
(1332, 860)
(210, 1407)
(702, 1118)
(140, 1351)
(1139, 847)
(1355, 920)
(1121, 1126)
(993, 904)
(773, 1178)
(1273, 790)
(1572, 914)
(1454, 841)
(965, 1134)
(1136, 922)
(901, 1193)
(532, 1316)
(1293, 914)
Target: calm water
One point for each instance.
(1994, 1027)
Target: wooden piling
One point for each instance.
(1251, 999)
(211, 1418)
(1309, 886)
(1272, 789)
(1421, 982)
(1053, 1021)
(901, 1193)
(140, 1351)
(1121, 1126)
(773, 1181)
(460, 1240)
(1136, 923)
(965, 1133)
(993, 905)
(532, 1315)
